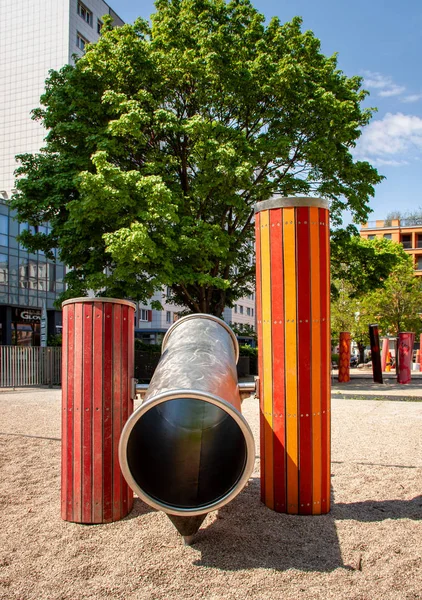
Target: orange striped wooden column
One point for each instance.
(97, 372)
(293, 318)
(344, 357)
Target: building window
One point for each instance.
(168, 316)
(419, 241)
(251, 312)
(4, 230)
(248, 311)
(235, 308)
(4, 269)
(99, 26)
(371, 236)
(81, 41)
(85, 13)
(418, 263)
(387, 236)
(406, 240)
(241, 309)
(143, 315)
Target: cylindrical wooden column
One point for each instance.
(405, 354)
(375, 353)
(344, 357)
(293, 318)
(384, 353)
(97, 398)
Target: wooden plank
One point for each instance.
(117, 408)
(260, 351)
(87, 315)
(278, 354)
(290, 311)
(78, 410)
(98, 410)
(316, 359)
(267, 357)
(325, 361)
(303, 251)
(108, 414)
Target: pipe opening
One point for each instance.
(186, 453)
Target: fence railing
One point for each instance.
(22, 366)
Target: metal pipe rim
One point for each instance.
(104, 300)
(202, 316)
(291, 202)
(196, 395)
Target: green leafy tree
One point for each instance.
(161, 140)
(362, 271)
(363, 264)
(398, 305)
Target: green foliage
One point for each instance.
(162, 139)
(364, 264)
(243, 330)
(141, 346)
(246, 350)
(398, 305)
(54, 340)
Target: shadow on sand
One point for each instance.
(253, 536)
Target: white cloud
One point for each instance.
(383, 83)
(394, 90)
(412, 98)
(395, 139)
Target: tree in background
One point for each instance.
(363, 272)
(398, 304)
(161, 140)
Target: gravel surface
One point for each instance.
(368, 548)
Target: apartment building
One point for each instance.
(35, 36)
(408, 232)
(151, 325)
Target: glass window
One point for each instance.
(419, 263)
(143, 314)
(4, 268)
(81, 41)
(387, 236)
(235, 308)
(99, 26)
(85, 13)
(168, 317)
(4, 224)
(371, 236)
(248, 312)
(4, 230)
(241, 309)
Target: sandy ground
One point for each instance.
(368, 548)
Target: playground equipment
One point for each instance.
(405, 344)
(344, 358)
(187, 450)
(375, 353)
(97, 398)
(293, 317)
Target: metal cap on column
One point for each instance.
(293, 312)
(97, 399)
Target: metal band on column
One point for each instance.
(344, 357)
(293, 318)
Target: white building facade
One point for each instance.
(35, 36)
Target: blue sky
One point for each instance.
(381, 41)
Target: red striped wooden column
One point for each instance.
(97, 372)
(344, 357)
(293, 319)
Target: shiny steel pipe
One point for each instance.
(187, 450)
